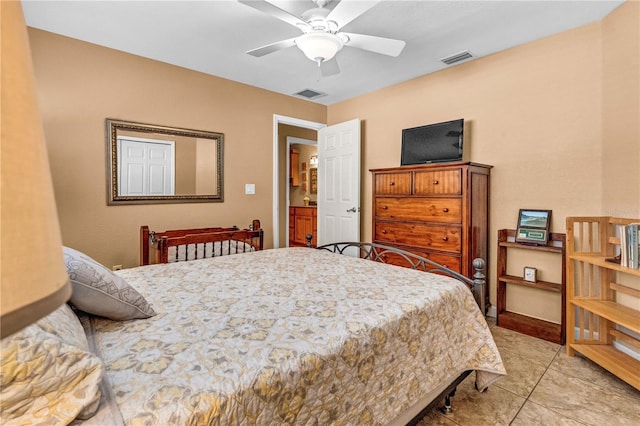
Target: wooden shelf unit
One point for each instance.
(522, 323)
(598, 325)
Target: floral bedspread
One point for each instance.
(290, 336)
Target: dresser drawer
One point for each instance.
(393, 183)
(444, 238)
(444, 210)
(451, 262)
(438, 182)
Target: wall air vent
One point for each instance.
(310, 94)
(457, 57)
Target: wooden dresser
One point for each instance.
(439, 211)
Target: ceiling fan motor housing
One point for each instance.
(317, 21)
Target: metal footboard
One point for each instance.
(378, 253)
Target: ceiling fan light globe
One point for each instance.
(319, 46)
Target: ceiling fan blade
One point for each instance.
(346, 11)
(273, 10)
(385, 46)
(330, 67)
(273, 47)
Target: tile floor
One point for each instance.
(543, 387)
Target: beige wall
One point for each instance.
(621, 111)
(186, 166)
(557, 118)
(206, 160)
(80, 84)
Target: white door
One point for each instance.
(146, 167)
(339, 183)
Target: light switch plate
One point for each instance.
(250, 188)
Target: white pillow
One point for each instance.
(98, 291)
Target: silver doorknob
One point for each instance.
(352, 210)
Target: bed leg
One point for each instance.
(446, 409)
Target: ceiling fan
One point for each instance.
(322, 38)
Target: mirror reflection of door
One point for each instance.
(146, 166)
(191, 171)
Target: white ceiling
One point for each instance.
(213, 36)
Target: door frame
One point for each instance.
(297, 122)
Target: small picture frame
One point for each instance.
(304, 166)
(533, 227)
(530, 274)
(304, 177)
(313, 180)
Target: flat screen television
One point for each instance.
(433, 143)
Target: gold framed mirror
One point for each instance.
(151, 164)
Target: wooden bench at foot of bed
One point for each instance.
(197, 243)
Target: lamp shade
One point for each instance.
(319, 46)
(34, 280)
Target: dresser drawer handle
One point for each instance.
(445, 238)
(446, 210)
(391, 183)
(384, 207)
(384, 231)
(435, 182)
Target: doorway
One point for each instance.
(302, 191)
(280, 196)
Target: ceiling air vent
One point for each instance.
(310, 94)
(457, 57)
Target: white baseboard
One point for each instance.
(492, 312)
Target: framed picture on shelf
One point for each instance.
(533, 226)
(530, 274)
(313, 180)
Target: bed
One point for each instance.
(197, 243)
(285, 336)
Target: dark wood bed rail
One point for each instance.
(380, 253)
(252, 238)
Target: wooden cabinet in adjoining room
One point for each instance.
(302, 221)
(294, 167)
(439, 211)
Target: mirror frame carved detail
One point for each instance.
(112, 127)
